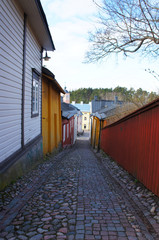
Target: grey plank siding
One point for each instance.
(31, 125)
(10, 78)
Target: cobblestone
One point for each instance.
(78, 194)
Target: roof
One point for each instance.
(37, 20)
(68, 110)
(139, 111)
(105, 112)
(100, 104)
(84, 107)
(51, 77)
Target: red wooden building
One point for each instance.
(133, 142)
(67, 131)
(69, 124)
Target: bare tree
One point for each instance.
(125, 26)
(153, 73)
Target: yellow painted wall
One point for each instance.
(86, 122)
(51, 116)
(95, 132)
(45, 116)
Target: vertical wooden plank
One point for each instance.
(55, 129)
(133, 142)
(45, 125)
(50, 119)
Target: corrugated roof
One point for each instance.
(97, 105)
(68, 110)
(145, 108)
(105, 112)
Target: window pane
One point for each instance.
(35, 94)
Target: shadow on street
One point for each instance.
(84, 136)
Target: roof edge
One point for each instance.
(151, 105)
(48, 74)
(43, 16)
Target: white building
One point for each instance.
(24, 34)
(85, 108)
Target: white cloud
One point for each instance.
(70, 39)
(70, 8)
(69, 21)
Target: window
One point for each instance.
(85, 126)
(35, 93)
(67, 130)
(85, 118)
(64, 129)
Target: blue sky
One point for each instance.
(69, 22)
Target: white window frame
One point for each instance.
(35, 93)
(64, 132)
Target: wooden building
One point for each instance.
(51, 112)
(103, 111)
(70, 116)
(133, 142)
(67, 131)
(85, 109)
(24, 35)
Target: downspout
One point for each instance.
(23, 80)
(41, 89)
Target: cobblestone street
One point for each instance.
(77, 195)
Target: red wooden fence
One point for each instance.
(133, 142)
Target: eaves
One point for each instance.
(37, 20)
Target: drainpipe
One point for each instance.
(23, 80)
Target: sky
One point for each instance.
(70, 22)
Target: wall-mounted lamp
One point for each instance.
(46, 58)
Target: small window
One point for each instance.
(85, 126)
(35, 93)
(85, 118)
(67, 130)
(64, 130)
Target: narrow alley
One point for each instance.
(74, 196)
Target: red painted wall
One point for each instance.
(69, 131)
(134, 143)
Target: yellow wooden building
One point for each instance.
(97, 123)
(51, 112)
(105, 117)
